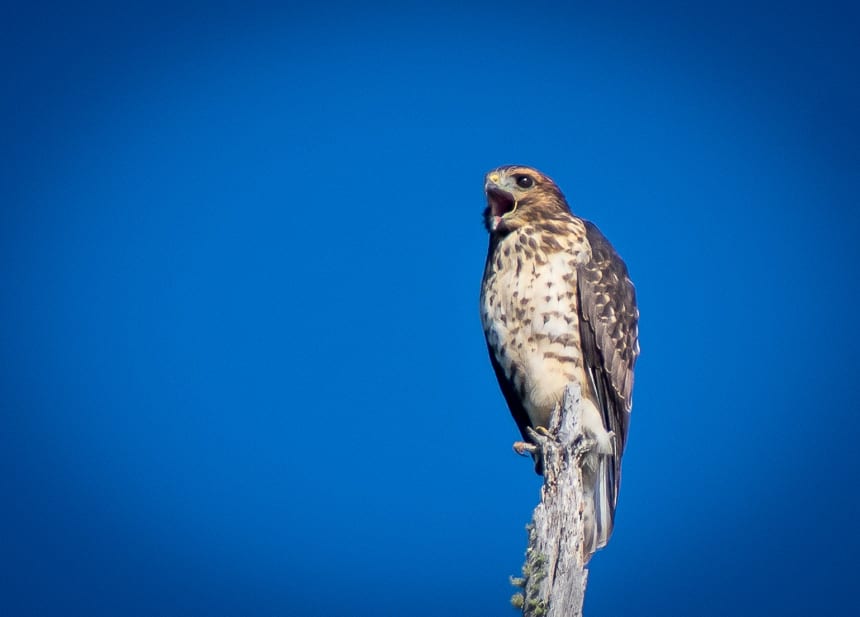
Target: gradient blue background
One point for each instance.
(242, 368)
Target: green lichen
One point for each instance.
(537, 608)
(518, 600)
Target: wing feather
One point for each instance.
(610, 338)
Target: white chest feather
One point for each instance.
(530, 317)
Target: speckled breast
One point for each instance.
(530, 317)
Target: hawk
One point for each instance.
(557, 306)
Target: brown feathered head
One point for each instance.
(518, 195)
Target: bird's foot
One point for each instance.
(586, 449)
(540, 430)
(538, 436)
(524, 448)
(582, 449)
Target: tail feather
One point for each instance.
(600, 500)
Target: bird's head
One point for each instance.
(517, 195)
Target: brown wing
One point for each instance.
(610, 337)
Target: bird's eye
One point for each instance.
(524, 181)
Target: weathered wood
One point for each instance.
(554, 574)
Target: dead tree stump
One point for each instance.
(554, 574)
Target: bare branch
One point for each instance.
(554, 574)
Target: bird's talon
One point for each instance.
(541, 430)
(524, 448)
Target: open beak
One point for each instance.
(499, 203)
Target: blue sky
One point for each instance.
(243, 372)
